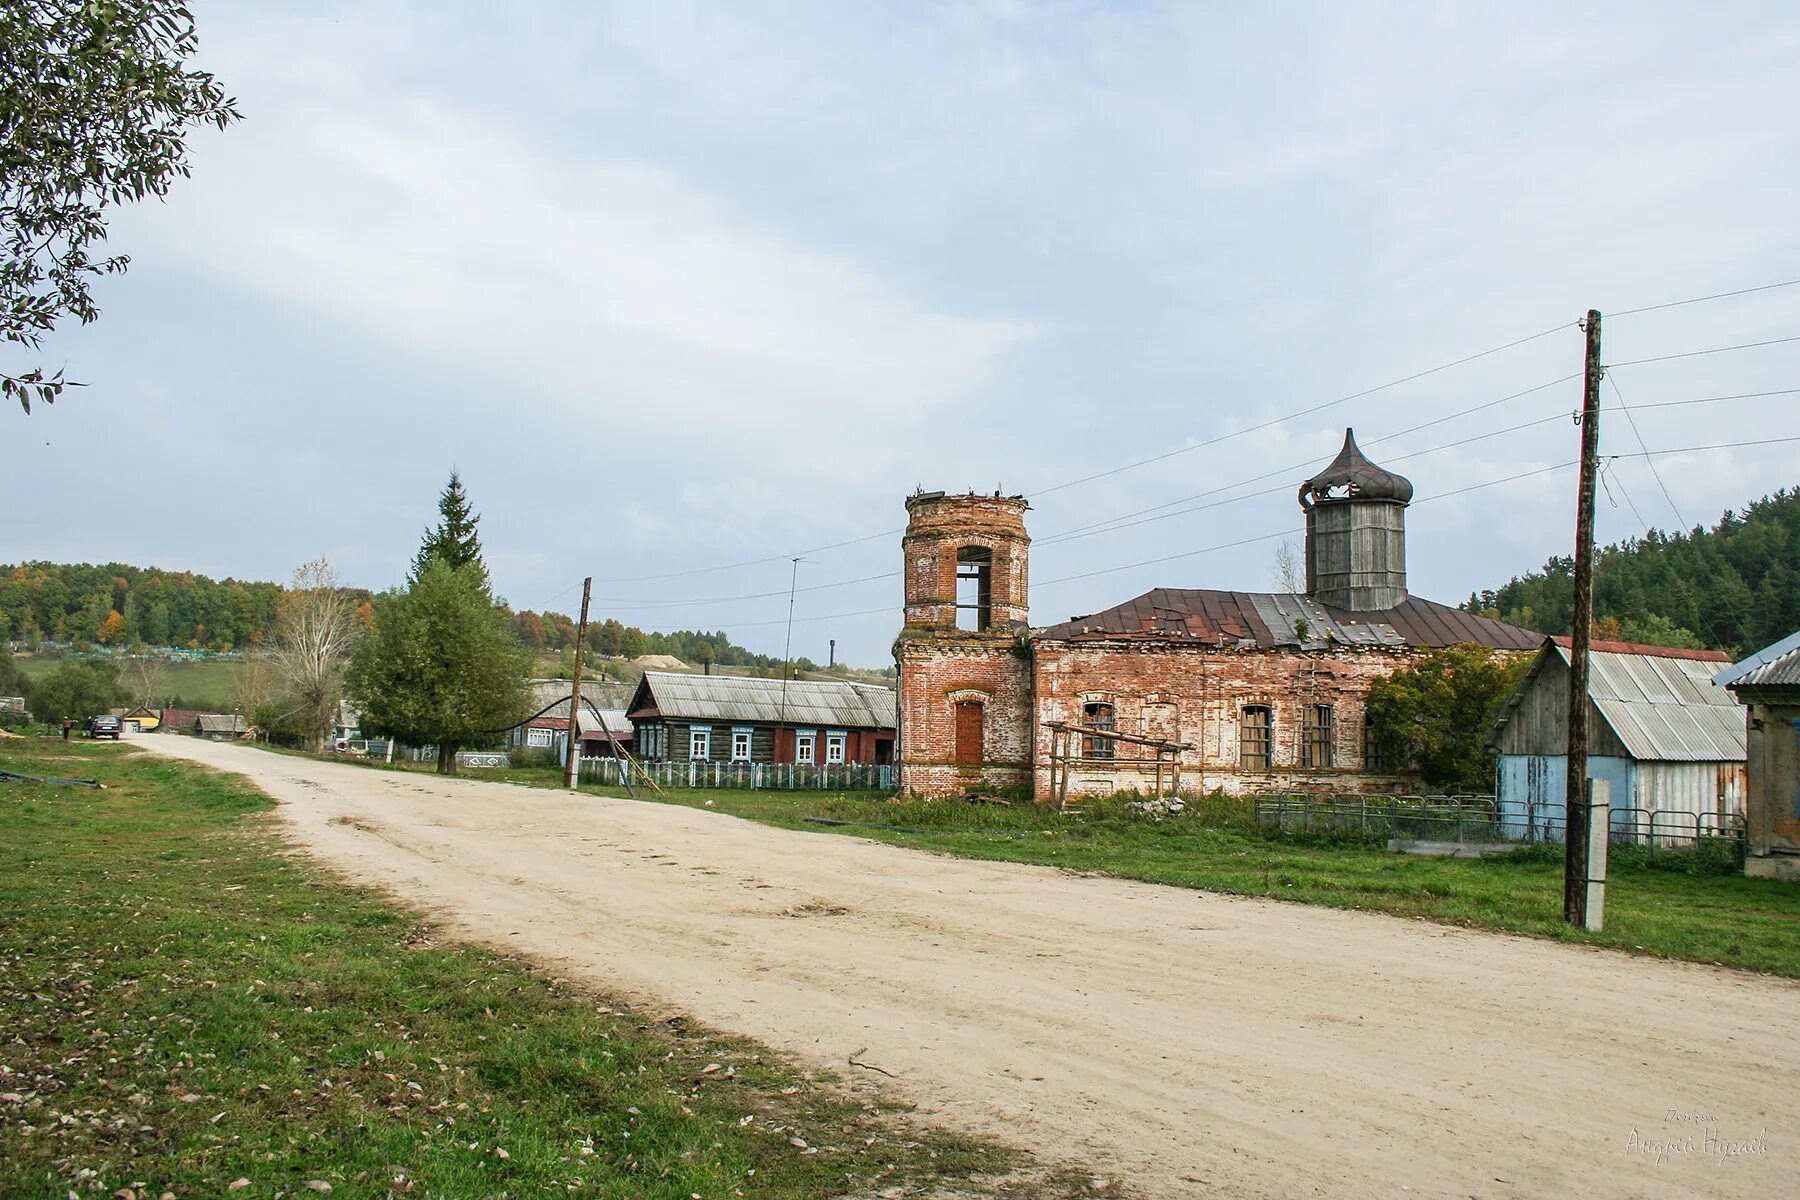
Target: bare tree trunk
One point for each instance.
(446, 759)
(314, 622)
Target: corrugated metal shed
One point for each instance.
(740, 698)
(1266, 620)
(1659, 702)
(1772, 666)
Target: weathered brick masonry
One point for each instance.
(987, 667)
(1197, 694)
(1267, 690)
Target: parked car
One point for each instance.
(104, 726)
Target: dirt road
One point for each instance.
(1185, 1043)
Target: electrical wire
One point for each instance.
(621, 605)
(1286, 472)
(1474, 487)
(1638, 362)
(1767, 287)
(1041, 492)
(1393, 383)
(1602, 475)
(1156, 458)
(1680, 521)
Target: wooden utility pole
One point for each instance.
(572, 772)
(1575, 808)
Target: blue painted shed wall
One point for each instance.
(1536, 786)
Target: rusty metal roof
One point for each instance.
(1266, 620)
(1662, 703)
(832, 703)
(1772, 666)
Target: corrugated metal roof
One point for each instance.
(1664, 706)
(617, 723)
(741, 698)
(1772, 666)
(601, 693)
(1265, 620)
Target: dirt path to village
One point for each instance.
(1184, 1043)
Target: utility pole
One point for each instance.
(1575, 808)
(572, 771)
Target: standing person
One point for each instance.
(68, 724)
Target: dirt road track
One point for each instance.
(1185, 1043)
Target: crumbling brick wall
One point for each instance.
(934, 676)
(941, 665)
(1196, 694)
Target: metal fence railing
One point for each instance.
(1470, 819)
(787, 777)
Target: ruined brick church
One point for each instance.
(1245, 691)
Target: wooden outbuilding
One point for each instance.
(1670, 743)
(1768, 684)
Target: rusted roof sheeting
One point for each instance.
(1265, 620)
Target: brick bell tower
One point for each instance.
(964, 656)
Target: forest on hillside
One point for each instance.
(112, 604)
(1733, 587)
(120, 607)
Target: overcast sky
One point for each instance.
(677, 287)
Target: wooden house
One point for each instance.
(548, 726)
(737, 719)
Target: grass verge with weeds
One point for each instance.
(189, 1008)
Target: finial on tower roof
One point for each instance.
(1351, 476)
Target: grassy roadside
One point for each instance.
(1661, 908)
(186, 1004)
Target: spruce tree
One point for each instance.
(443, 666)
(455, 540)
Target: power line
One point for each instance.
(1110, 522)
(751, 562)
(1767, 287)
(1117, 524)
(1638, 362)
(1605, 465)
(1474, 487)
(1680, 521)
(776, 558)
(1302, 413)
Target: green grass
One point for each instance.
(184, 1003)
(203, 684)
